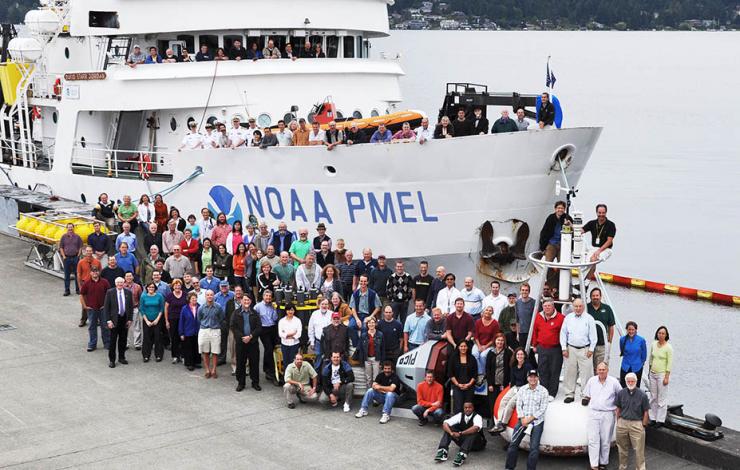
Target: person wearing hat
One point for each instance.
(193, 139)
(136, 57)
(321, 237)
(249, 131)
(237, 135)
(354, 135)
(531, 405)
(211, 137)
(335, 337)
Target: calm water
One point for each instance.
(667, 164)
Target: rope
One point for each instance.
(210, 91)
(196, 173)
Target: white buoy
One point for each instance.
(42, 21)
(566, 240)
(24, 49)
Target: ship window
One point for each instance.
(340, 115)
(332, 46)
(330, 170)
(82, 142)
(349, 47)
(298, 42)
(318, 40)
(310, 118)
(190, 119)
(229, 41)
(162, 46)
(210, 40)
(255, 40)
(288, 117)
(264, 120)
(54, 117)
(357, 114)
(103, 19)
(173, 123)
(211, 120)
(359, 47)
(66, 52)
(189, 42)
(374, 113)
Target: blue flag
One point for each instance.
(549, 76)
(552, 79)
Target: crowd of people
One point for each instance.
(203, 288)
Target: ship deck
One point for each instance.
(62, 407)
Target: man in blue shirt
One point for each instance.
(222, 298)
(126, 260)
(268, 335)
(210, 281)
(153, 57)
(210, 317)
(126, 237)
(99, 241)
(414, 331)
(382, 135)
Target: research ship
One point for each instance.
(77, 121)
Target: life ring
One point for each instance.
(58, 87)
(145, 166)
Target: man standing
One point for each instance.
(223, 297)
(136, 335)
(464, 429)
(392, 335)
(99, 241)
(421, 283)
(473, 298)
(461, 125)
(70, 247)
(507, 317)
(429, 400)
(546, 343)
(414, 329)
(246, 328)
(325, 256)
(377, 279)
(282, 239)
(210, 317)
(550, 237)
(347, 274)
(447, 297)
(524, 311)
(335, 337)
(436, 328)
(92, 298)
(364, 266)
(546, 112)
(111, 272)
(84, 268)
(126, 237)
(601, 392)
(319, 239)
(384, 390)
(521, 123)
(381, 136)
(601, 313)
(438, 283)
(632, 418)
(495, 300)
(319, 320)
(268, 335)
(531, 405)
(301, 380)
(338, 380)
(300, 135)
(577, 341)
(285, 271)
(424, 132)
(210, 282)
(504, 124)
(118, 310)
(308, 274)
(459, 324)
(479, 121)
(364, 303)
(171, 237)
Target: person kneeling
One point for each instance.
(338, 379)
(298, 376)
(465, 429)
(384, 390)
(429, 400)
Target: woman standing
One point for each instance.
(462, 369)
(339, 252)
(266, 279)
(661, 361)
(330, 283)
(251, 264)
(188, 327)
(151, 308)
(371, 352)
(235, 237)
(633, 349)
(160, 213)
(146, 212)
(238, 262)
(190, 246)
(484, 332)
(173, 305)
(517, 378)
(222, 264)
(290, 330)
(179, 221)
(221, 230)
(250, 236)
(192, 226)
(205, 257)
(498, 371)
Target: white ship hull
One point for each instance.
(404, 200)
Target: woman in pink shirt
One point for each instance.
(235, 237)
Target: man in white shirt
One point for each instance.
(601, 392)
(578, 341)
(521, 123)
(496, 300)
(237, 135)
(192, 140)
(319, 320)
(249, 131)
(308, 274)
(447, 296)
(283, 135)
(465, 430)
(473, 298)
(316, 136)
(206, 224)
(424, 132)
(211, 138)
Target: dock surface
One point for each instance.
(62, 407)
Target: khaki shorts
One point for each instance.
(209, 340)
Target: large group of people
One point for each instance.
(203, 288)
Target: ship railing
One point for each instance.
(97, 160)
(42, 86)
(13, 154)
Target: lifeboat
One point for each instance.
(325, 112)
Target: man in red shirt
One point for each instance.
(546, 343)
(84, 268)
(460, 325)
(92, 297)
(429, 400)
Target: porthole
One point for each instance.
(90, 113)
(54, 117)
(374, 113)
(330, 171)
(83, 198)
(311, 117)
(190, 119)
(288, 118)
(264, 120)
(212, 120)
(173, 123)
(357, 114)
(82, 142)
(66, 52)
(340, 115)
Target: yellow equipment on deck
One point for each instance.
(11, 73)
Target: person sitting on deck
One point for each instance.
(333, 136)
(462, 126)
(504, 124)
(405, 133)
(354, 135)
(204, 54)
(153, 57)
(382, 135)
(316, 136)
(465, 429)
(444, 129)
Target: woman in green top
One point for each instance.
(151, 308)
(206, 256)
(661, 362)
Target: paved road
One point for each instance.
(62, 407)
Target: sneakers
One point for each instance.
(441, 455)
(569, 400)
(459, 459)
(499, 427)
(361, 414)
(384, 419)
(346, 408)
(423, 421)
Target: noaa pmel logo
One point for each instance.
(223, 200)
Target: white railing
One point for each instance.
(96, 160)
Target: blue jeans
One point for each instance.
(317, 361)
(70, 267)
(95, 319)
(289, 353)
(534, 446)
(436, 416)
(354, 330)
(387, 399)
